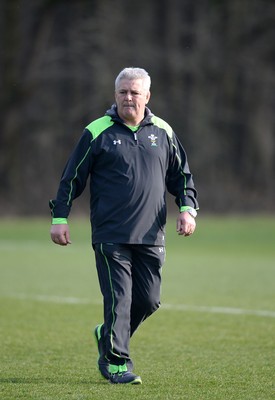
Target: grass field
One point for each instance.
(213, 338)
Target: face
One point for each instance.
(131, 99)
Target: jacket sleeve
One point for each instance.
(74, 177)
(179, 180)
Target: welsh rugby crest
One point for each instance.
(153, 139)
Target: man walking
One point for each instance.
(131, 156)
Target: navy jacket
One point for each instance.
(129, 173)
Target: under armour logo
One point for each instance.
(161, 249)
(115, 142)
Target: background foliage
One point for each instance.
(212, 69)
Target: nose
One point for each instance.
(128, 95)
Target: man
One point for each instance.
(131, 157)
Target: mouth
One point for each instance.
(128, 105)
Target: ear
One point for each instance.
(148, 97)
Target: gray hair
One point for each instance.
(132, 73)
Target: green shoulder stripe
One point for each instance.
(162, 125)
(99, 125)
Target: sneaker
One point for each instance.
(130, 365)
(102, 362)
(120, 374)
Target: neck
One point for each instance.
(132, 123)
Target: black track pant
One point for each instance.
(130, 278)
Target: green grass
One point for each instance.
(50, 302)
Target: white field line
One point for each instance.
(219, 310)
(52, 299)
(165, 306)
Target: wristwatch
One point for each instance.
(191, 211)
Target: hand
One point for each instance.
(60, 234)
(186, 224)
